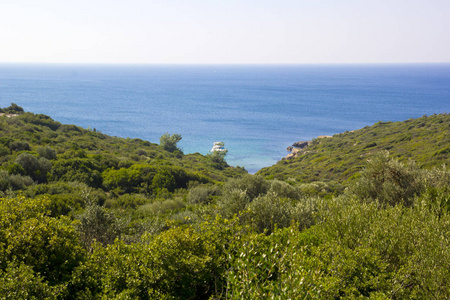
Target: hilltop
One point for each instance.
(425, 140)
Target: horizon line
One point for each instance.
(222, 64)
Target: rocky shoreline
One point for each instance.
(299, 148)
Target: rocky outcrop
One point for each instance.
(301, 145)
(293, 153)
(298, 148)
(8, 115)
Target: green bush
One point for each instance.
(252, 186)
(19, 281)
(47, 152)
(388, 181)
(4, 150)
(169, 142)
(48, 246)
(97, 224)
(269, 211)
(285, 190)
(437, 191)
(164, 180)
(233, 202)
(19, 182)
(40, 119)
(14, 182)
(85, 170)
(161, 207)
(126, 201)
(16, 169)
(20, 146)
(36, 168)
(198, 195)
(413, 260)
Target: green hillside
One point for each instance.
(84, 215)
(89, 156)
(425, 140)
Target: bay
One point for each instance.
(257, 110)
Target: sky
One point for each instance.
(225, 31)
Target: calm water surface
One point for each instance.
(256, 110)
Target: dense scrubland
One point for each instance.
(84, 215)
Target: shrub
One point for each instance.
(84, 170)
(437, 189)
(19, 146)
(41, 120)
(14, 182)
(169, 142)
(49, 246)
(37, 169)
(252, 185)
(269, 212)
(19, 182)
(388, 181)
(305, 211)
(19, 281)
(13, 109)
(96, 224)
(47, 152)
(233, 202)
(161, 207)
(126, 201)
(285, 190)
(164, 180)
(4, 150)
(15, 168)
(198, 195)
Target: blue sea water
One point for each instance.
(256, 110)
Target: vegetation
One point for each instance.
(87, 216)
(425, 140)
(169, 142)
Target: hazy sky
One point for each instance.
(225, 31)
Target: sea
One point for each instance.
(256, 110)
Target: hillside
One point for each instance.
(83, 154)
(84, 215)
(425, 140)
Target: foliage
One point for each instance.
(425, 140)
(97, 224)
(19, 146)
(269, 211)
(47, 152)
(14, 181)
(36, 168)
(217, 158)
(89, 216)
(388, 181)
(12, 109)
(202, 194)
(40, 250)
(21, 282)
(169, 142)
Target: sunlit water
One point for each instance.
(256, 110)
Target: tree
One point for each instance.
(14, 109)
(164, 180)
(97, 224)
(388, 181)
(169, 142)
(36, 168)
(47, 152)
(36, 250)
(217, 157)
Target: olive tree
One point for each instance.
(169, 142)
